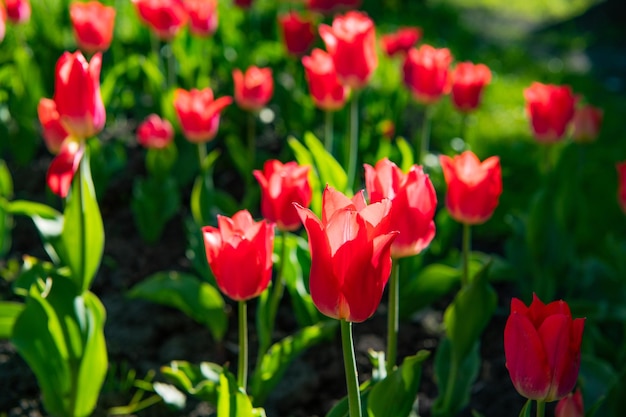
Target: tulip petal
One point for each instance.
(332, 201)
(555, 332)
(63, 168)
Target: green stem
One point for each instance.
(541, 408)
(349, 361)
(354, 138)
(279, 285)
(467, 242)
(392, 317)
(171, 66)
(452, 377)
(425, 137)
(328, 131)
(251, 141)
(547, 158)
(201, 153)
(463, 126)
(242, 370)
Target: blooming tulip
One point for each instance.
(571, 405)
(468, 82)
(202, 16)
(198, 113)
(401, 41)
(281, 186)
(621, 189)
(297, 32)
(64, 166)
(473, 187)
(550, 109)
(413, 204)
(77, 94)
(53, 131)
(18, 11)
(426, 73)
(350, 255)
(164, 17)
(542, 349)
(155, 132)
(239, 252)
(351, 42)
(254, 88)
(326, 90)
(93, 25)
(587, 121)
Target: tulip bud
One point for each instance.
(53, 131)
(202, 16)
(155, 132)
(254, 88)
(571, 406)
(198, 113)
(164, 17)
(401, 41)
(326, 90)
(297, 33)
(93, 25)
(18, 11)
(468, 82)
(550, 109)
(426, 73)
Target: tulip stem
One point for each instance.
(279, 285)
(171, 66)
(425, 137)
(450, 384)
(242, 371)
(349, 361)
(467, 242)
(392, 317)
(202, 153)
(328, 131)
(463, 126)
(354, 138)
(541, 408)
(251, 141)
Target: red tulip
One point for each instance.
(281, 186)
(254, 88)
(621, 189)
(350, 255)
(473, 187)
(571, 405)
(239, 252)
(413, 204)
(331, 6)
(351, 42)
(202, 16)
(77, 94)
(244, 4)
(64, 166)
(164, 17)
(155, 132)
(468, 82)
(326, 90)
(18, 11)
(401, 41)
(93, 25)
(297, 32)
(198, 113)
(587, 121)
(53, 131)
(550, 108)
(542, 349)
(426, 73)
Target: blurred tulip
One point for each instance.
(587, 122)
(350, 255)
(198, 113)
(3, 22)
(155, 132)
(326, 90)
(281, 186)
(542, 349)
(254, 88)
(468, 82)
(93, 25)
(426, 73)
(401, 41)
(473, 187)
(571, 406)
(621, 189)
(331, 6)
(18, 11)
(239, 252)
(351, 42)
(244, 4)
(64, 166)
(77, 94)
(550, 109)
(53, 131)
(165, 17)
(413, 203)
(297, 32)
(202, 16)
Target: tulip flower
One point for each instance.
(621, 189)
(474, 187)
(93, 25)
(587, 121)
(330, 6)
(571, 405)
(401, 41)
(297, 32)
(550, 109)
(351, 42)
(18, 11)
(426, 73)
(199, 113)
(542, 349)
(281, 186)
(164, 17)
(254, 88)
(468, 82)
(53, 131)
(155, 133)
(326, 90)
(64, 166)
(202, 16)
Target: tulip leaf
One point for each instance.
(155, 201)
(197, 299)
(232, 400)
(6, 221)
(395, 395)
(9, 311)
(304, 158)
(342, 408)
(329, 170)
(406, 152)
(200, 381)
(432, 282)
(159, 162)
(525, 412)
(239, 155)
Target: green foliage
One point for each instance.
(155, 201)
(6, 220)
(232, 400)
(201, 381)
(9, 312)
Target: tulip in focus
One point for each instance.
(570, 406)
(165, 17)
(542, 349)
(199, 113)
(413, 203)
(401, 41)
(426, 73)
(297, 32)
(326, 90)
(18, 11)
(587, 122)
(281, 186)
(53, 131)
(474, 187)
(239, 252)
(202, 16)
(550, 109)
(93, 25)
(155, 133)
(350, 255)
(468, 82)
(621, 189)
(351, 42)
(254, 88)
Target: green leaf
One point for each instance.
(329, 170)
(239, 154)
(394, 396)
(232, 400)
(295, 273)
(9, 311)
(304, 158)
(159, 162)
(342, 408)
(6, 221)
(155, 201)
(201, 381)
(32, 209)
(525, 412)
(406, 152)
(48, 221)
(197, 299)
(432, 283)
